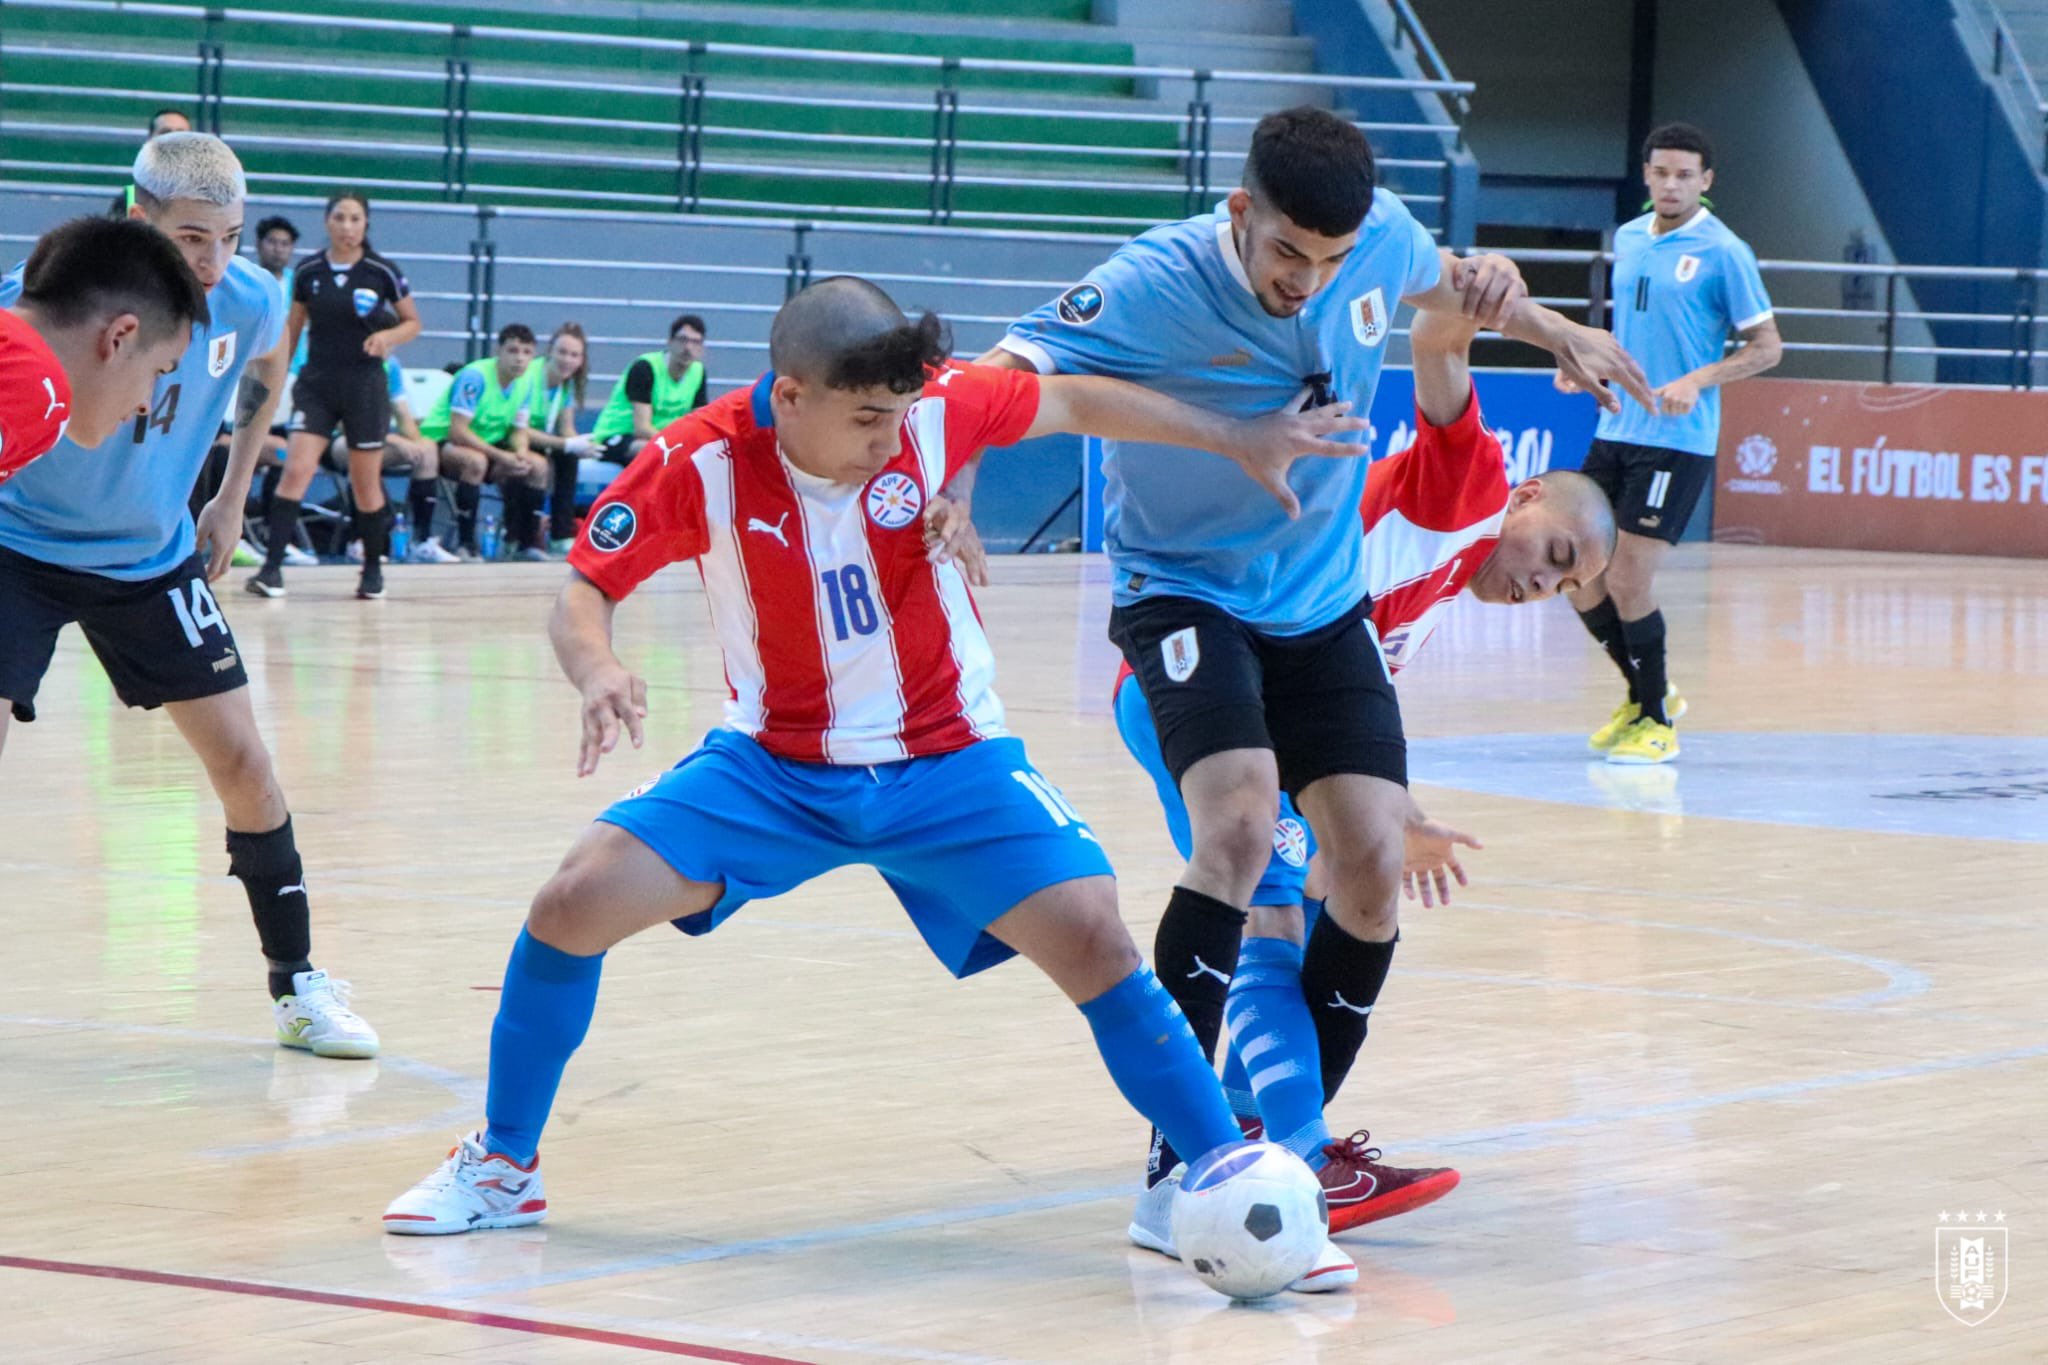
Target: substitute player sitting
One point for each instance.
(105, 310)
(862, 728)
(1440, 519)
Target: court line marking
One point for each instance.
(503, 1322)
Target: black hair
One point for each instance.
(150, 128)
(94, 268)
(687, 320)
(1314, 167)
(276, 222)
(516, 331)
(1680, 137)
(846, 333)
(359, 197)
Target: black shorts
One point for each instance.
(1653, 489)
(616, 449)
(160, 640)
(357, 401)
(1322, 701)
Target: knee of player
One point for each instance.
(1238, 835)
(1367, 871)
(241, 768)
(560, 912)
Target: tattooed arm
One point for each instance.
(220, 521)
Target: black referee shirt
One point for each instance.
(344, 304)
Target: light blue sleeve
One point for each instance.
(10, 287)
(1425, 262)
(1742, 287)
(394, 379)
(467, 393)
(270, 330)
(1110, 323)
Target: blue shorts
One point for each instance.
(1293, 844)
(961, 838)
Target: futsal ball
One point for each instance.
(1250, 1219)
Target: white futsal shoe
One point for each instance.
(472, 1189)
(1152, 1228)
(316, 1017)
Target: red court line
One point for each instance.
(533, 1326)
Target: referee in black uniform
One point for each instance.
(356, 308)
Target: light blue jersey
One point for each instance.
(120, 510)
(1677, 299)
(1174, 310)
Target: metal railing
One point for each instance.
(2021, 319)
(673, 141)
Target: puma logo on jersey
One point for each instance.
(756, 524)
(299, 887)
(1340, 1003)
(55, 402)
(1204, 969)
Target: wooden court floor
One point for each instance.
(1718, 1048)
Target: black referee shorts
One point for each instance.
(1322, 701)
(357, 400)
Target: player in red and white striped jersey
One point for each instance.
(862, 725)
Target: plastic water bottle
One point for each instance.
(401, 537)
(487, 541)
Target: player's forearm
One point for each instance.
(255, 406)
(1089, 405)
(1529, 321)
(580, 629)
(1440, 347)
(1762, 351)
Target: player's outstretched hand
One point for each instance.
(1593, 359)
(1489, 285)
(1268, 446)
(613, 699)
(950, 538)
(1430, 859)
(219, 530)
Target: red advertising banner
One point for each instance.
(1883, 467)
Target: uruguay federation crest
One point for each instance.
(1182, 654)
(1369, 318)
(1688, 266)
(1969, 1266)
(220, 354)
(894, 500)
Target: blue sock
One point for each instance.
(543, 1014)
(1155, 1061)
(1237, 1086)
(1271, 1028)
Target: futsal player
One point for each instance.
(1683, 282)
(862, 726)
(1247, 626)
(655, 390)
(105, 309)
(480, 422)
(354, 307)
(102, 537)
(1440, 519)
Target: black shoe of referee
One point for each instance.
(371, 586)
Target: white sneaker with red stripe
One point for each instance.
(473, 1189)
(1152, 1228)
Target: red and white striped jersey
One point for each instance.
(1432, 516)
(842, 643)
(35, 396)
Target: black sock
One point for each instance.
(1603, 623)
(284, 524)
(1195, 955)
(468, 497)
(423, 497)
(270, 871)
(522, 513)
(271, 477)
(372, 528)
(1646, 649)
(562, 495)
(1341, 977)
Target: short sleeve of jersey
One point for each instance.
(650, 517)
(467, 393)
(1110, 323)
(639, 382)
(1425, 263)
(276, 306)
(302, 290)
(1742, 287)
(394, 379)
(986, 405)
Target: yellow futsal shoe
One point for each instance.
(1626, 714)
(1645, 741)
